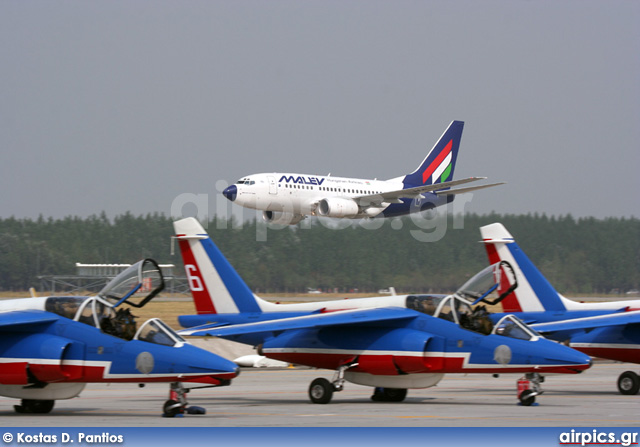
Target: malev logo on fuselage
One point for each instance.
(301, 179)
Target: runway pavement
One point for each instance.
(278, 398)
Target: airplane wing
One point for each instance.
(617, 319)
(412, 193)
(25, 320)
(338, 318)
(451, 192)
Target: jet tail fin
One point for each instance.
(438, 165)
(534, 292)
(215, 285)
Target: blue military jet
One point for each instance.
(390, 343)
(609, 330)
(51, 347)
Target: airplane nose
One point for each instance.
(231, 192)
(575, 361)
(215, 365)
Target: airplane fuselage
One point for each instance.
(401, 355)
(302, 194)
(287, 198)
(607, 329)
(47, 356)
(615, 342)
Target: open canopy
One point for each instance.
(135, 286)
(490, 285)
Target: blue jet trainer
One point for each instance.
(390, 343)
(609, 330)
(52, 347)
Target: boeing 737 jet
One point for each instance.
(286, 198)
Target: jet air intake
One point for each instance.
(336, 207)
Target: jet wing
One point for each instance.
(451, 192)
(412, 193)
(25, 320)
(338, 318)
(617, 319)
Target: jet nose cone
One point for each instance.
(574, 361)
(231, 192)
(216, 365)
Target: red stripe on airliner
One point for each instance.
(441, 156)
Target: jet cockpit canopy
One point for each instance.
(495, 282)
(136, 285)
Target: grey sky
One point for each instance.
(124, 105)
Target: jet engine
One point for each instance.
(56, 369)
(281, 218)
(337, 207)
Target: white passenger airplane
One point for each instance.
(286, 198)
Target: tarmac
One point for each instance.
(270, 397)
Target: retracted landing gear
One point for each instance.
(34, 406)
(529, 388)
(629, 383)
(177, 403)
(321, 390)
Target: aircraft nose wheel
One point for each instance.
(529, 388)
(629, 383)
(177, 403)
(527, 398)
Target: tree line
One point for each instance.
(583, 256)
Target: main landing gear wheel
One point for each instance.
(320, 391)
(33, 406)
(389, 395)
(629, 383)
